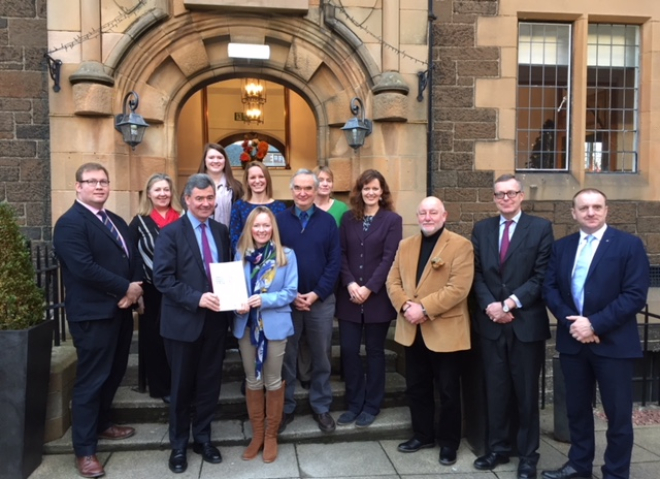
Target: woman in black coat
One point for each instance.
(159, 206)
(370, 234)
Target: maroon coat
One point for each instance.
(366, 258)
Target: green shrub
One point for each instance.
(21, 300)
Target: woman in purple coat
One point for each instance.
(370, 233)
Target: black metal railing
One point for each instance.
(49, 279)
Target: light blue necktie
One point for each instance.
(580, 273)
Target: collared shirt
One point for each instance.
(198, 235)
(512, 228)
(310, 211)
(96, 212)
(598, 236)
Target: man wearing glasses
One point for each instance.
(102, 274)
(511, 253)
(313, 235)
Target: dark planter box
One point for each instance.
(24, 376)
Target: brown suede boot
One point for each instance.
(274, 408)
(254, 398)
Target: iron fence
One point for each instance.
(49, 279)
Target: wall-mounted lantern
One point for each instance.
(131, 125)
(357, 129)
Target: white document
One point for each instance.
(229, 284)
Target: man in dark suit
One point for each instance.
(596, 282)
(511, 253)
(192, 325)
(102, 274)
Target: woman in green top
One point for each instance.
(324, 198)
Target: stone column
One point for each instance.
(390, 35)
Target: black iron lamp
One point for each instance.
(357, 128)
(131, 125)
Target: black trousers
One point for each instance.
(423, 367)
(512, 369)
(196, 378)
(364, 392)
(102, 346)
(152, 346)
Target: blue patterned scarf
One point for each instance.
(263, 267)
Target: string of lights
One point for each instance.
(95, 32)
(380, 39)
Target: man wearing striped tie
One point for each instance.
(102, 274)
(511, 253)
(596, 282)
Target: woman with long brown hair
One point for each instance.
(215, 163)
(370, 234)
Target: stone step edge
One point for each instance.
(391, 423)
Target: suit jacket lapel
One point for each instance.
(518, 234)
(603, 246)
(493, 239)
(96, 222)
(189, 234)
(437, 251)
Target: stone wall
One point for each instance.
(24, 122)
(458, 125)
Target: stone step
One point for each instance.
(391, 423)
(132, 407)
(233, 367)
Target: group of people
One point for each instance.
(319, 259)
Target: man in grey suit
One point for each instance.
(511, 254)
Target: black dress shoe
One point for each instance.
(178, 462)
(306, 384)
(565, 472)
(166, 399)
(414, 445)
(526, 470)
(287, 418)
(447, 456)
(209, 452)
(489, 461)
(325, 421)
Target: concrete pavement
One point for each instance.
(333, 460)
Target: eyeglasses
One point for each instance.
(95, 183)
(298, 189)
(509, 194)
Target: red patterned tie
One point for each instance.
(505, 241)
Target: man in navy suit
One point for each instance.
(596, 283)
(511, 252)
(192, 325)
(102, 274)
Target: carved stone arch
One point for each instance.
(167, 64)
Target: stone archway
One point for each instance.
(183, 54)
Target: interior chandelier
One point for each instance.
(253, 96)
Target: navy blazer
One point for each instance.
(522, 274)
(615, 291)
(276, 303)
(366, 259)
(179, 274)
(95, 268)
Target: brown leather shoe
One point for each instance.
(89, 466)
(117, 432)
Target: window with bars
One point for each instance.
(610, 132)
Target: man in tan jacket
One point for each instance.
(428, 284)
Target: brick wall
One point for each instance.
(467, 193)
(24, 124)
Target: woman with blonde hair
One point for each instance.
(263, 325)
(324, 199)
(215, 163)
(258, 192)
(159, 206)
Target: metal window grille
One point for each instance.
(611, 128)
(543, 99)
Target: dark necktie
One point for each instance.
(206, 251)
(108, 224)
(304, 218)
(504, 247)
